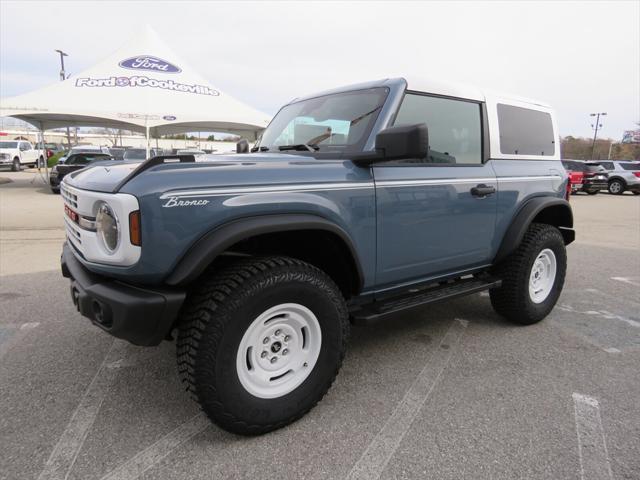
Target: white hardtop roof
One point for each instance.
(461, 90)
(142, 85)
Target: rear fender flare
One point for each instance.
(557, 212)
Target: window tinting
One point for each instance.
(525, 132)
(630, 166)
(455, 135)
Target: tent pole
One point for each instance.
(147, 129)
(46, 160)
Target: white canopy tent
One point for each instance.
(143, 87)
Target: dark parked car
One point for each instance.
(594, 177)
(141, 153)
(73, 162)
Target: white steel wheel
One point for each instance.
(279, 350)
(543, 275)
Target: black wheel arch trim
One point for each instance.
(526, 215)
(620, 179)
(213, 243)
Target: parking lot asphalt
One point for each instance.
(448, 391)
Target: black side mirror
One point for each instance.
(242, 146)
(398, 143)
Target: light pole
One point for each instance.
(595, 135)
(62, 79)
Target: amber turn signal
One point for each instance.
(135, 234)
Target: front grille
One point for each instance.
(68, 197)
(73, 231)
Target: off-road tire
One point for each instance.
(217, 314)
(620, 189)
(512, 299)
(16, 166)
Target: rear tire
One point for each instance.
(520, 299)
(616, 187)
(239, 319)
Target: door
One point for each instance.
(27, 154)
(436, 215)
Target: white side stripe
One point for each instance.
(213, 192)
(323, 187)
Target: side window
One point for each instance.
(525, 132)
(455, 134)
(607, 165)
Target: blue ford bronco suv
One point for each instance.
(354, 204)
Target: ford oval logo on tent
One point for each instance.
(150, 64)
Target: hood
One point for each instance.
(212, 171)
(101, 177)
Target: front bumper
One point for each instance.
(139, 315)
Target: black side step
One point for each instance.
(446, 291)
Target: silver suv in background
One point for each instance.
(623, 176)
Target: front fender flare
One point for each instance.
(208, 247)
(559, 215)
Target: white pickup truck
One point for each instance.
(16, 153)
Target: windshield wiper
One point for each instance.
(300, 147)
(259, 149)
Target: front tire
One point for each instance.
(532, 276)
(16, 166)
(616, 187)
(261, 341)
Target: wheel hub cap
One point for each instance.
(279, 350)
(543, 276)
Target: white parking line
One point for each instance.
(592, 446)
(377, 455)
(602, 313)
(626, 280)
(70, 443)
(146, 459)
(17, 337)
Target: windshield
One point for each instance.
(8, 144)
(135, 154)
(338, 122)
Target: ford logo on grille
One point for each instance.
(150, 64)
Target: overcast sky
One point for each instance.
(580, 57)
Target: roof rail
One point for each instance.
(152, 162)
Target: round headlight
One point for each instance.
(107, 227)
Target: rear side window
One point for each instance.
(630, 166)
(455, 133)
(607, 165)
(525, 132)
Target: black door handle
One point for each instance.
(482, 190)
